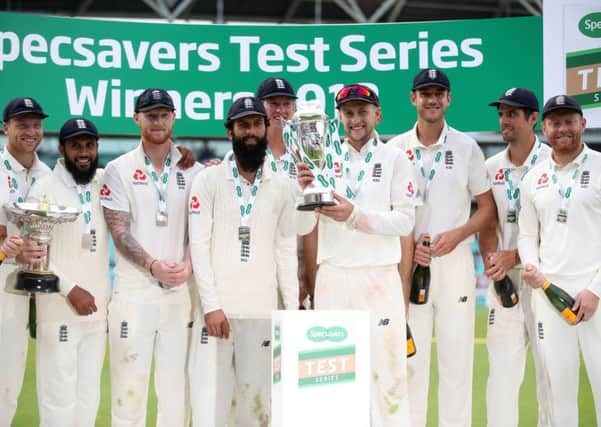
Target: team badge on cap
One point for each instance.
(560, 100)
(509, 92)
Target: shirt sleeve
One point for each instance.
(286, 255)
(399, 220)
(113, 194)
(200, 226)
(478, 182)
(529, 238)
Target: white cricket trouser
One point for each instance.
(217, 363)
(509, 332)
(69, 359)
(560, 345)
(451, 309)
(14, 338)
(136, 332)
(379, 291)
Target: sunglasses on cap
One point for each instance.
(353, 90)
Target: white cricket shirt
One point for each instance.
(569, 249)
(460, 174)
(129, 188)
(68, 259)
(243, 289)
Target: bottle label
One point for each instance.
(569, 315)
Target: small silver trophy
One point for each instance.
(36, 221)
(309, 127)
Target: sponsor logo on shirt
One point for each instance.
(410, 155)
(384, 322)
(491, 317)
(139, 177)
(462, 299)
(105, 192)
(499, 177)
(194, 205)
(543, 181)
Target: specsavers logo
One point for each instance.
(333, 334)
(326, 366)
(590, 25)
(139, 177)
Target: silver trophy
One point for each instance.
(36, 221)
(309, 126)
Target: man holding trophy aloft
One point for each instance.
(359, 246)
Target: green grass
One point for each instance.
(27, 412)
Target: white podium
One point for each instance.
(320, 369)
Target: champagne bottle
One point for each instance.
(410, 343)
(32, 317)
(561, 300)
(506, 292)
(420, 281)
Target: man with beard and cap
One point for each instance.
(145, 197)
(279, 100)
(71, 325)
(242, 232)
(451, 170)
(511, 329)
(22, 124)
(359, 245)
(560, 243)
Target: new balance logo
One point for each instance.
(265, 343)
(541, 331)
(462, 299)
(491, 316)
(63, 335)
(204, 335)
(383, 322)
(181, 181)
(124, 330)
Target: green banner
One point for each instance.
(96, 68)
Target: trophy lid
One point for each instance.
(42, 209)
(309, 110)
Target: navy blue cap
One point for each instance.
(431, 77)
(75, 127)
(518, 97)
(561, 102)
(154, 98)
(25, 105)
(243, 107)
(275, 86)
(356, 92)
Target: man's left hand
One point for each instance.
(187, 160)
(339, 212)
(586, 304)
(446, 242)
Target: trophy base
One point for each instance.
(316, 200)
(35, 282)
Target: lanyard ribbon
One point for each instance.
(567, 192)
(160, 182)
(513, 190)
(15, 191)
(419, 159)
(84, 195)
(245, 208)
